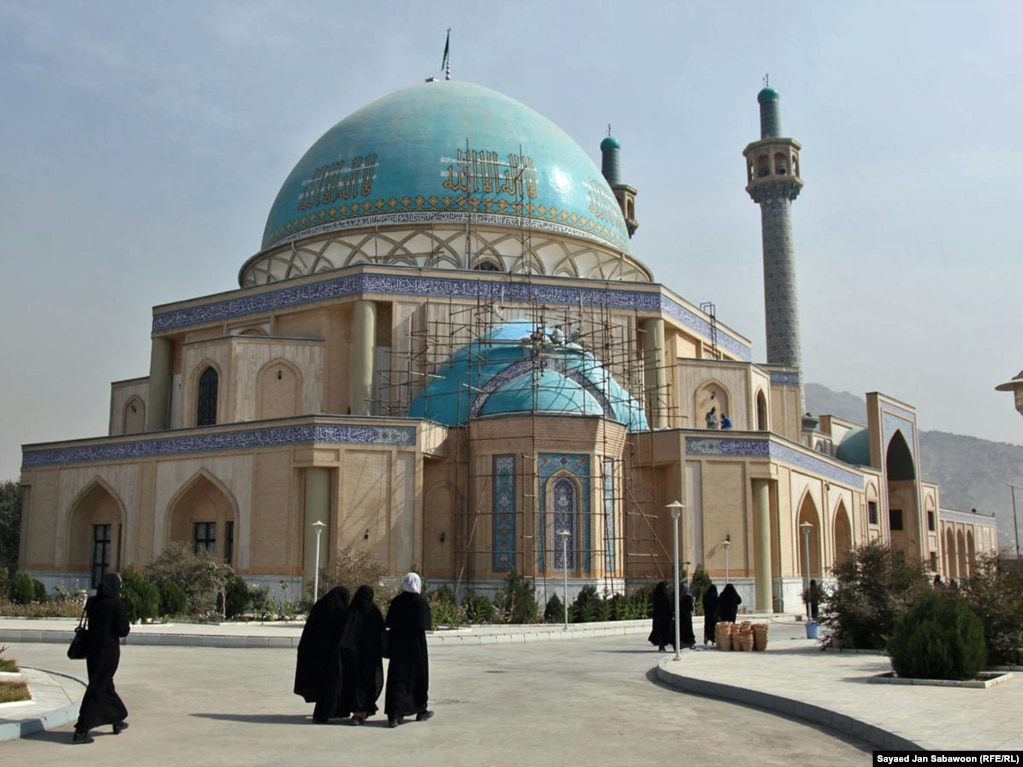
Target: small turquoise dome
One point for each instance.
(610, 143)
(448, 152)
(854, 449)
(519, 368)
(768, 94)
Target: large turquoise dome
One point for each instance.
(446, 151)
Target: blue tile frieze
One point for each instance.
(726, 447)
(120, 450)
(567, 511)
(504, 513)
(437, 287)
(784, 378)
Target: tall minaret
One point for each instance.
(772, 175)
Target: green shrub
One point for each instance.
(257, 599)
(994, 592)
(38, 591)
(444, 607)
(589, 606)
(478, 609)
(554, 612)
(200, 576)
(874, 586)
(939, 637)
(236, 596)
(23, 589)
(517, 600)
(141, 598)
(698, 585)
(173, 599)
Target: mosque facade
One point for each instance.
(446, 356)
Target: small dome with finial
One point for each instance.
(768, 94)
(610, 143)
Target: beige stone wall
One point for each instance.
(128, 407)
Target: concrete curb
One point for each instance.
(47, 720)
(875, 735)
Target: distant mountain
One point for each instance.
(973, 473)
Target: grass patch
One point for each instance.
(11, 692)
(8, 665)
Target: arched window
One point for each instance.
(564, 506)
(206, 406)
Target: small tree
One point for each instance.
(994, 592)
(173, 599)
(873, 587)
(698, 585)
(23, 589)
(10, 526)
(200, 576)
(351, 568)
(554, 612)
(938, 637)
(518, 599)
(589, 607)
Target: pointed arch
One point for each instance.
(761, 401)
(842, 534)
(711, 395)
(207, 393)
(971, 554)
(204, 515)
(278, 390)
(94, 529)
(808, 513)
(899, 458)
(133, 416)
(564, 495)
(949, 554)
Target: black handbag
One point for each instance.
(79, 642)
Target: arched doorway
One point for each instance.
(762, 424)
(903, 511)
(203, 516)
(808, 537)
(949, 554)
(843, 534)
(94, 531)
(963, 566)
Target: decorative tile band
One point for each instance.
(441, 287)
(121, 449)
(504, 513)
(764, 448)
(609, 517)
(784, 378)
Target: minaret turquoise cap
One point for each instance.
(770, 113)
(610, 163)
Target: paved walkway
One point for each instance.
(793, 677)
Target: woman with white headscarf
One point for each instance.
(408, 673)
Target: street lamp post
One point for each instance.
(727, 543)
(563, 535)
(805, 527)
(1015, 524)
(676, 511)
(318, 527)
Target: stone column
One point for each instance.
(656, 374)
(316, 509)
(762, 543)
(364, 330)
(161, 359)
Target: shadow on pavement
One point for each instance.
(260, 718)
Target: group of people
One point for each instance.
(340, 655)
(713, 422)
(716, 607)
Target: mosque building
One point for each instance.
(447, 356)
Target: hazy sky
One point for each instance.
(142, 145)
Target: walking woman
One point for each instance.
(108, 624)
(318, 670)
(362, 667)
(408, 673)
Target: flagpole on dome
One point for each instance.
(445, 63)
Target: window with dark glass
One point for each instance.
(872, 512)
(206, 537)
(100, 552)
(228, 543)
(930, 521)
(895, 519)
(206, 408)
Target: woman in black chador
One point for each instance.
(686, 606)
(408, 673)
(362, 668)
(710, 613)
(318, 670)
(663, 631)
(728, 604)
(108, 623)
